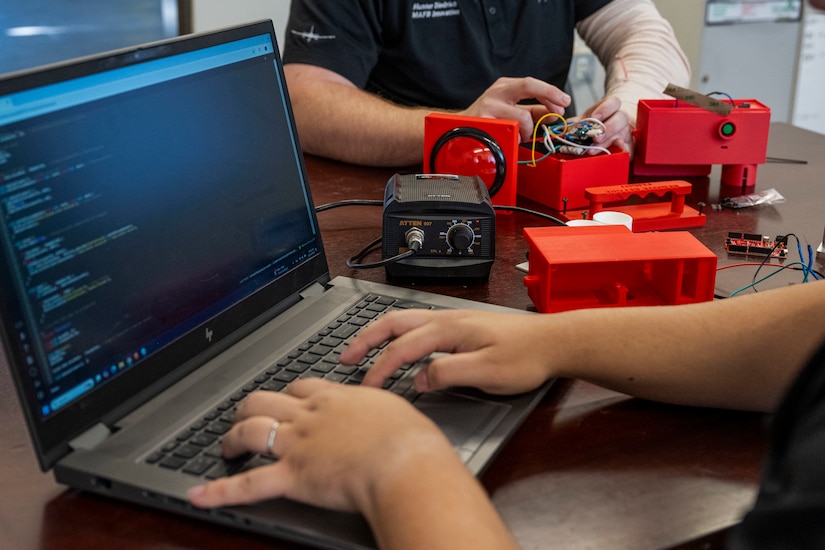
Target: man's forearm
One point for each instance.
(342, 122)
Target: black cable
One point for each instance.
(350, 202)
(367, 249)
(779, 160)
(528, 211)
(767, 257)
(362, 202)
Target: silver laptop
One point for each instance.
(161, 258)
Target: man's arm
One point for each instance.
(638, 49)
(337, 120)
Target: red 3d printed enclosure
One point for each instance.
(648, 216)
(675, 138)
(559, 180)
(609, 266)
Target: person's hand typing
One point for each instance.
(336, 445)
(364, 450)
(496, 353)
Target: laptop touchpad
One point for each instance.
(465, 420)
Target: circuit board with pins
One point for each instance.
(749, 244)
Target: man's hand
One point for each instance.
(618, 131)
(502, 100)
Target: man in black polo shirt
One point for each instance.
(363, 74)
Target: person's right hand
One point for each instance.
(336, 443)
(501, 100)
(618, 131)
(494, 352)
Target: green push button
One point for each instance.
(727, 129)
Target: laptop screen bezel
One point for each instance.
(51, 436)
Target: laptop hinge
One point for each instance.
(312, 291)
(91, 438)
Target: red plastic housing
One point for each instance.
(559, 176)
(648, 216)
(608, 266)
(469, 156)
(674, 138)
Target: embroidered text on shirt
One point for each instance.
(430, 10)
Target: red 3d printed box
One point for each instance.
(609, 266)
(559, 180)
(674, 138)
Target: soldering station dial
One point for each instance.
(460, 236)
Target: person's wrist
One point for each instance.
(563, 348)
(404, 466)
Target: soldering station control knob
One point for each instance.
(460, 236)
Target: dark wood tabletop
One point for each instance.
(590, 468)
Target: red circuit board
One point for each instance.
(749, 244)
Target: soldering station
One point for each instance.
(448, 219)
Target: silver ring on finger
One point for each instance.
(270, 440)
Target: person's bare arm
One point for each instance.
(738, 353)
(337, 120)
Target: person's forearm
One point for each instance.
(739, 353)
(341, 122)
(436, 504)
(638, 49)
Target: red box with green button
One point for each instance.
(675, 138)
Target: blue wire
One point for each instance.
(726, 95)
(811, 262)
(802, 261)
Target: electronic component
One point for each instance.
(575, 139)
(749, 244)
(452, 219)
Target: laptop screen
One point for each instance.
(145, 197)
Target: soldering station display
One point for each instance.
(448, 220)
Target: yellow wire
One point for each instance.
(535, 132)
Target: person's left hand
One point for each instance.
(618, 131)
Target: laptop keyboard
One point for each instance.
(197, 449)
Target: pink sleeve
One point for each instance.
(638, 49)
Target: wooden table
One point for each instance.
(590, 468)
